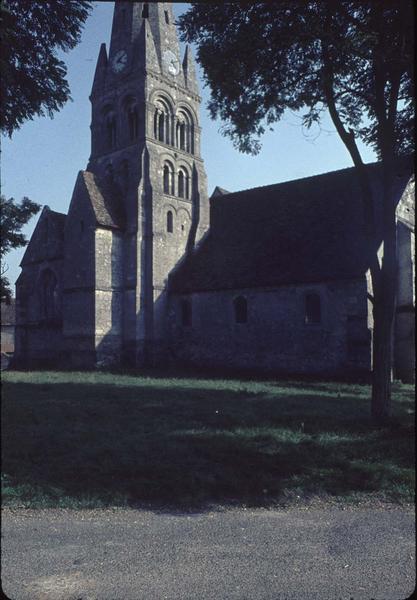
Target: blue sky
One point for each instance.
(42, 159)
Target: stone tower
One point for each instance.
(142, 203)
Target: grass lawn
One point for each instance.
(102, 439)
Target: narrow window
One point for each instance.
(49, 295)
(170, 222)
(168, 179)
(161, 127)
(312, 309)
(166, 17)
(187, 187)
(191, 139)
(181, 184)
(167, 128)
(240, 305)
(145, 11)
(133, 122)
(186, 313)
(155, 124)
(182, 136)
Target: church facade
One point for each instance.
(145, 269)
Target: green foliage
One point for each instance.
(261, 58)
(102, 439)
(13, 217)
(33, 78)
(354, 59)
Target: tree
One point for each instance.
(354, 59)
(12, 218)
(33, 78)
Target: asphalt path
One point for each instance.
(324, 553)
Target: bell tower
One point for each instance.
(145, 146)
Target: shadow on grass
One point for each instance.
(190, 444)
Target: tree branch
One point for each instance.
(348, 138)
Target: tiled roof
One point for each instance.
(47, 241)
(300, 231)
(218, 191)
(105, 201)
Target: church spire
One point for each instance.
(188, 66)
(101, 68)
(128, 25)
(145, 52)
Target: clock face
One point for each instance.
(171, 62)
(119, 61)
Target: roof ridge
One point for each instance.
(292, 181)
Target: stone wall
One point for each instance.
(38, 342)
(79, 282)
(276, 337)
(108, 295)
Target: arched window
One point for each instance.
(48, 288)
(240, 305)
(312, 309)
(183, 183)
(170, 222)
(186, 313)
(168, 178)
(133, 122)
(163, 120)
(161, 127)
(185, 131)
(181, 136)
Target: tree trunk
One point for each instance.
(382, 362)
(384, 306)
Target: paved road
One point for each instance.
(315, 554)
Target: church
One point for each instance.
(146, 269)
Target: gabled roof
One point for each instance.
(218, 191)
(301, 231)
(105, 201)
(47, 241)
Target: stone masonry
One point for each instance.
(145, 270)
